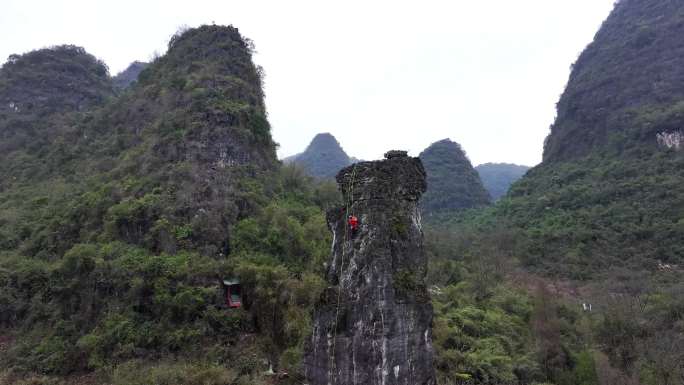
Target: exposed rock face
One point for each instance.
(373, 324)
(670, 139)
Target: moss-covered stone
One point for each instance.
(380, 316)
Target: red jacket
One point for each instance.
(353, 222)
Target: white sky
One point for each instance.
(377, 74)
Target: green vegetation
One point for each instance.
(116, 233)
(497, 178)
(103, 305)
(453, 184)
(582, 219)
(599, 221)
(632, 66)
(497, 323)
(129, 75)
(121, 213)
(493, 326)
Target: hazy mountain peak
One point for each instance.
(323, 157)
(453, 184)
(498, 177)
(126, 77)
(325, 139)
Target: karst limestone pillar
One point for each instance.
(372, 325)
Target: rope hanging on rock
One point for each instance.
(348, 205)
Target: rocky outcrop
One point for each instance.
(672, 140)
(373, 323)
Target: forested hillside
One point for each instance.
(126, 77)
(611, 200)
(625, 88)
(600, 220)
(453, 184)
(38, 90)
(117, 227)
(497, 178)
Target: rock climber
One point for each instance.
(353, 223)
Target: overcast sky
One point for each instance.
(377, 74)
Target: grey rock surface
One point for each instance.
(373, 323)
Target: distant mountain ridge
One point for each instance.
(498, 177)
(323, 157)
(126, 77)
(453, 183)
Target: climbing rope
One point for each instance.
(348, 204)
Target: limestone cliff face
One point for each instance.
(373, 324)
(626, 88)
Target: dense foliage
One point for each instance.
(586, 217)
(115, 238)
(120, 215)
(453, 184)
(114, 234)
(52, 80)
(495, 324)
(126, 77)
(38, 90)
(634, 66)
(601, 216)
(107, 304)
(497, 178)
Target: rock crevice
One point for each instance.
(373, 323)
